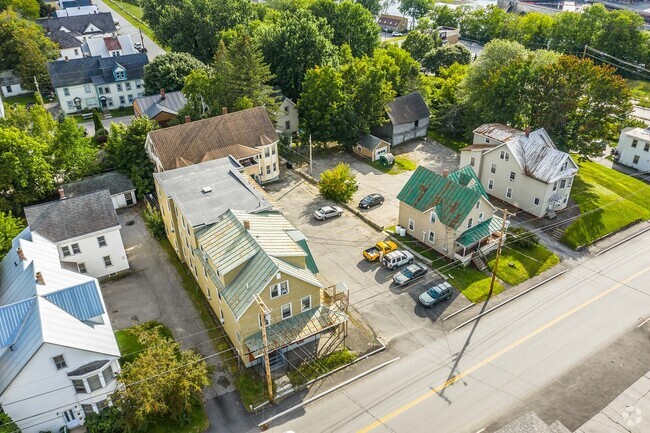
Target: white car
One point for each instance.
(397, 34)
(327, 212)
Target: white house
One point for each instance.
(10, 84)
(58, 354)
(119, 186)
(522, 168)
(248, 136)
(86, 231)
(2, 109)
(79, 10)
(98, 82)
(82, 27)
(634, 148)
(110, 46)
(286, 118)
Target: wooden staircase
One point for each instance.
(557, 233)
(477, 260)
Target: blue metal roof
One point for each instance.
(82, 302)
(11, 318)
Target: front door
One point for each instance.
(103, 101)
(129, 198)
(71, 420)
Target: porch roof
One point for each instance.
(295, 328)
(479, 232)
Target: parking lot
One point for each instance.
(424, 152)
(392, 312)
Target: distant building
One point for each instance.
(58, 353)
(407, 119)
(162, 107)
(78, 10)
(248, 136)
(449, 35)
(634, 148)
(10, 84)
(286, 118)
(371, 147)
(82, 27)
(119, 187)
(392, 23)
(2, 109)
(110, 46)
(86, 231)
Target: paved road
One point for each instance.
(90, 126)
(468, 379)
(126, 28)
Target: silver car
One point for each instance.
(410, 273)
(327, 212)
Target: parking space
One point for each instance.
(393, 312)
(424, 152)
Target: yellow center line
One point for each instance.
(506, 349)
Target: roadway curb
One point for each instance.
(611, 247)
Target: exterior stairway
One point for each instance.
(478, 262)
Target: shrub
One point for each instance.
(108, 420)
(522, 238)
(154, 222)
(101, 135)
(338, 184)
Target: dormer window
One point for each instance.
(119, 73)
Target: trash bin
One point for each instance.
(398, 229)
(402, 231)
(289, 165)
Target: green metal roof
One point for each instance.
(479, 231)
(452, 201)
(465, 176)
(309, 260)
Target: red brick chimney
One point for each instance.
(21, 254)
(162, 94)
(527, 131)
(39, 278)
(445, 173)
(61, 193)
(187, 119)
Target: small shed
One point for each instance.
(372, 147)
(120, 188)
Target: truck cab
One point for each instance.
(381, 248)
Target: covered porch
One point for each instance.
(483, 238)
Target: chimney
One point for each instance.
(187, 119)
(445, 173)
(61, 193)
(527, 131)
(65, 58)
(247, 225)
(39, 278)
(162, 93)
(21, 254)
(224, 110)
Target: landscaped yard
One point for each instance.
(608, 201)
(454, 143)
(25, 99)
(402, 164)
(311, 370)
(517, 265)
(128, 343)
(640, 91)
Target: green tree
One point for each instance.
(109, 420)
(26, 174)
(97, 121)
(532, 30)
(338, 184)
(494, 55)
(374, 6)
(25, 49)
(445, 56)
(169, 71)
(484, 24)
(321, 103)
(26, 8)
(415, 8)
(448, 107)
(154, 222)
(400, 69)
(443, 15)
(292, 45)
(125, 152)
(7, 425)
(10, 227)
(174, 380)
(522, 238)
(419, 42)
(72, 153)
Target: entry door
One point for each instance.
(129, 198)
(71, 419)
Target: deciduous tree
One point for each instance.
(445, 56)
(26, 8)
(72, 153)
(10, 227)
(338, 184)
(420, 42)
(169, 71)
(321, 103)
(415, 8)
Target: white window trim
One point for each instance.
(480, 217)
(431, 235)
(512, 176)
(490, 184)
(411, 225)
(279, 287)
(432, 217)
(510, 192)
(290, 311)
(536, 199)
(302, 305)
(470, 223)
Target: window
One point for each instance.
(286, 108)
(120, 75)
(493, 168)
(109, 101)
(536, 201)
(122, 100)
(286, 311)
(487, 140)
(107, 90)
(480, 217)
(635, 142)
(565, 165)
(287, 125)
(87, 88)
(646, 148)
(8, 89)
(59, 361)
(478, 204)
(75, 249)
(94, 383)
(267, 318)
(82, 268)
(101, 405)
(267, 152)
(273, 150)
(79, 386)
(490, 184)
(71, 105)
(470, 223)
(279, 289)
(101, 240)
(509, 192)
(107, 261)
(512, 176)
(562, 183)
(275, 166)
(472, 161)
(108, 374)
(432, 237)
(130, 98)
(66, 91)
(570, 182)
(66, 251)
(417, 123)
(305, 303)
(411, 224)
(91, 102)
(566, 198)
(127, 86)
(555, 186)
(636, 159)
(432, 217)
(87, 408)
(268, 169)
(504, 155)
(138, 84)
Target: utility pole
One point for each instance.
(506, 214)
(36, 84)
(142, 41)
(311, 172)
(584, 52)
(267, 365)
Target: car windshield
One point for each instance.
(326, 209)
(366, 199)
(434, 292)
(408, 272)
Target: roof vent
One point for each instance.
(206, 189)
(39, 278)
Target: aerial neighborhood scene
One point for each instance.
(307, 216)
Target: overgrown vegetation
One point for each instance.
(338, 184)
(402, 164)
(311, 370)
(10, 227)
(640, 91)
(154, 222)
(522, 238)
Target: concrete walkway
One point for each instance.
(90, 126)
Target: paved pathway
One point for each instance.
(90, 126)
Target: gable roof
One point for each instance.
(206, 139)
(115, 182)
(74, 217)
(61, 311)
(153, 105)
(466, 177)
(101, 46)
(451, 201)
(498, 132)
(79, 23)
(371, 142)
(390, 20)
(75, 3)
(407, 109)
(95, 69)
(64, 39)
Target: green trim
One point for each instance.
(479, 232)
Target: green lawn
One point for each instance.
(311, 370)
(402, 164)
(640, 91)
(21, 99)
(134, 16)
(454, 143)
(517, 265)
(608, 201)
(128, 343)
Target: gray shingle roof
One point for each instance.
(73, 217)
(407, 109)
(79, 23)
(64, 39)
(115, 182)
(95, 69)
(370, 142)
(153, 105)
